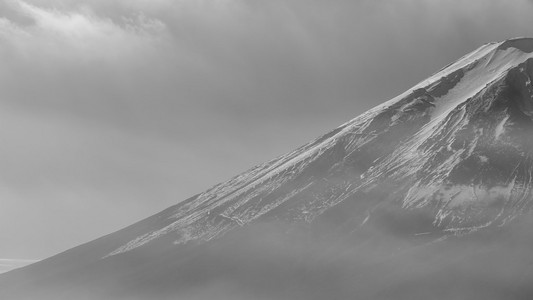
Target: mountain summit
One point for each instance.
(426, 196)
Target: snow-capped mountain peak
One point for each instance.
(462, 114)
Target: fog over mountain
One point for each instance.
(426, 196)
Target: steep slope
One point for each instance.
(446, 163)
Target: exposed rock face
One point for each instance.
(447, 162)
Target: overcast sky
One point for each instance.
(111, 110)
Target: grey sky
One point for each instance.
(112, 110)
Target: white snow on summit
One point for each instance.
(418, 132)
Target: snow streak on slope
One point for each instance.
(455, 145)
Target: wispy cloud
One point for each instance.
(7, 264)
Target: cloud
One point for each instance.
(53, 32)
(10, 264)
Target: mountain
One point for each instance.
(426, 196)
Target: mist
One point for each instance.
(272, 261)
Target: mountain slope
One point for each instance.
(444, 172)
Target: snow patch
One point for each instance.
(500, 128)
